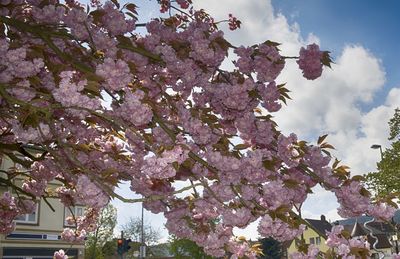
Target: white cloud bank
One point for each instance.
(330, 104)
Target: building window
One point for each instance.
(72, 211)
(318, 240)
(312, 241)
(31, 218)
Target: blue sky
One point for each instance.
(352, 101)
(373, 24)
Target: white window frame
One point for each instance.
(26, 220)
(75, 209)
(318, 241)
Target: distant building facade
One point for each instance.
(315, 233)
(381, 243)
(37, 235)
(383, 235)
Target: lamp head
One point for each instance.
(376, 146)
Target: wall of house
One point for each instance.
(42, 237)
(307, 234)
(48, 220)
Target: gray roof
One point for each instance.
(383, 241)
(363, 219)
(320, 226)
(358, 230)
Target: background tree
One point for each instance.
(185, 248)
(109, 249)
(387, 178)
(133, 230)
(271, 248)
(102, 234)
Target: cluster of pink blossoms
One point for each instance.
(133, 110)
(60, 254)
(69, 94)
(116, 73)
(162, 167)
(310, 61)
(115, 22)
(278, 229)
(337, 240)
(351, 193)
(313, 252)
(101, 103)
(10, 207)
(48, 14)
(82, 225)
(263, 59)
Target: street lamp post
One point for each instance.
(376, 146)
(142, 251)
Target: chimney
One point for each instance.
(323, 218)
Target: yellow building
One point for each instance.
(315, 234)
(37, 235)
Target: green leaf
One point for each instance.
(291, 183)
(346, 234)
(97, 15)
(271, 43)
(268, 164)
(175, 165)
(124, 40)
(326, 59)
(254, 94)
(365, 192)
(131, 15)
(32, 119)
(115, 2)
(241, 146)
(327, 146)
(93, 87)
(358, 178)
(224, 44)
(283, 99)
(321, 139)
(131, 7)
(335, 164)
(326, 152)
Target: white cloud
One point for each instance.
(331, 104)
(393, 98)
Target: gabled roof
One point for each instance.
(376, 227)
(362, 219)
(383, 241)
(358, 230)
(381, 228)
(320, 226)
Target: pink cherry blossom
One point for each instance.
(310, 61)
(60, 254)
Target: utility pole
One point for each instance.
(377, 146)
(142, 254)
